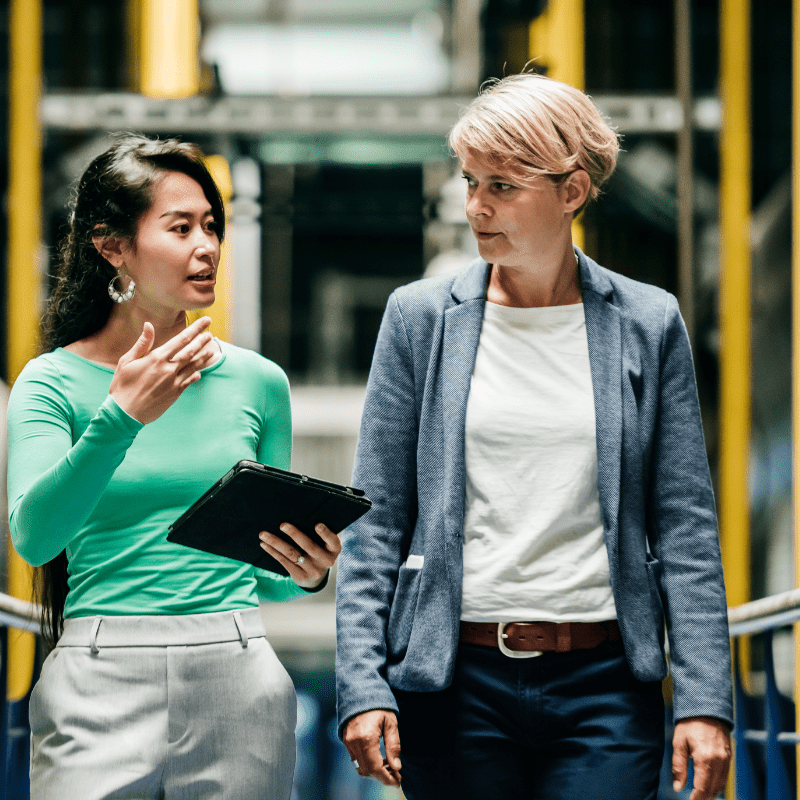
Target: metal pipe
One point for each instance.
(20, 608)
(466, 38)
(683, 85)
(24, 281)
(220, 310)
(734, 300)
(734, 313)
(764, 614)
(796, 339)
(755, 609)
(762, 624)
(24, 182)
(167, 51)
(556, 42)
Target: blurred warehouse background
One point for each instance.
(327, 122)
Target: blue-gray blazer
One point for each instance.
(397, 623)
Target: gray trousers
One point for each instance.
(184, 707)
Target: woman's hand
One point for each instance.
(306, 561)
(147, 382)
(362, 737)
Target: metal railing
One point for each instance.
(15, 615)
(19, 614)
(765, 737)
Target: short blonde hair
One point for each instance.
(530, 125)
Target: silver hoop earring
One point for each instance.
(116, 295)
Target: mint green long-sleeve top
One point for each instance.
(86, 477)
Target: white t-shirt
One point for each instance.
(533, 536)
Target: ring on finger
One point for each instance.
(300, 561)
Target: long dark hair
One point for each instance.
(112, 195)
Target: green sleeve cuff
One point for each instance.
(119, 418)
(276, 588)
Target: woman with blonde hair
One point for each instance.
(542, 506)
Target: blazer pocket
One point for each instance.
(401, 616)
(653, 566)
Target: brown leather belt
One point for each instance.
(534, 638)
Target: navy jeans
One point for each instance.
(561, 726)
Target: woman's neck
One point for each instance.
(120, 333)
(534, 287)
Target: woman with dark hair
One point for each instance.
(160, 683)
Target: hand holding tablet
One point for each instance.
(306, 561)
(253, 498)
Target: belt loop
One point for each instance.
(237, 618)
(563, 637)
(93, 635)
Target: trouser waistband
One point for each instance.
(155, 630)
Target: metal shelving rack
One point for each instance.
(265, 116)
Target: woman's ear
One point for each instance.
(110, 247)
(577, 186)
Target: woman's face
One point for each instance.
(516, 226)
(175, 256)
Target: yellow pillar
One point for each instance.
(24, 182)
(796, 339)
(24, 235)
(220, 311)
(164, 48)
(734, 308)
(734, 292)
(556, 44)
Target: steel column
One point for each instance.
(24, 274)
(734, 303)
(796, 337)
(556, 42)
(683, 85)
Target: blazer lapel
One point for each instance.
(605, 359)
(462, 330)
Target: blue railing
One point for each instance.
(765, 736)
(15, 615)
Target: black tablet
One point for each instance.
(252, 498)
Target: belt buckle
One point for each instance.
(513, 653)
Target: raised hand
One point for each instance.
(147, 381)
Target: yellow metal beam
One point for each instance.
(734, 304)
(165, 60)
(556, 44)
(734, 288)
(557, 41)
(133, 43)
(24, 281)
(24, 182)
(164, 63)
(221, 310)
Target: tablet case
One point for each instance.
(252, 498)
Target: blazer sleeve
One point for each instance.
(684, 538)
(373, 548)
